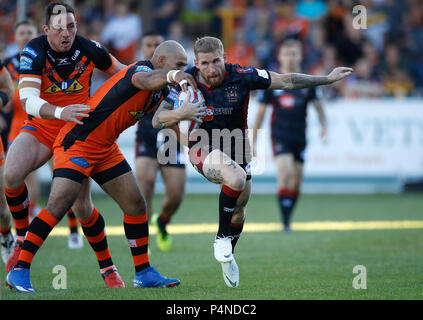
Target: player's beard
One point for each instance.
(215, 79)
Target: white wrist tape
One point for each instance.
(171, 76)
(57, 112)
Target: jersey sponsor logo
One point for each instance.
(137, 114)
(68, 87)
(76, 54)
(262, 73)
(225, 111)
(143, 69)
(97, 43)
(244, 69)
(173, 96)
(29, 51)
(63, 61)
(209, 113)
(80, 162)
(26, 63)
(287, 101)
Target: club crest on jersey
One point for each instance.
(69, 87)
(244, 69)
(80, 66)
(231, 94)
(50, 71)
(137, 114)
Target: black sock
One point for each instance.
(227, 202)
(287, 200)
(162, 221)
(236, 229)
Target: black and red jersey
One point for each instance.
(289, 111)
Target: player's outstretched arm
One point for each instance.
(166, 117)
(29, 92)
(290, 81)
(158, 79)
(6, 88)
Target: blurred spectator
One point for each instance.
(361, 84)
(395, 73)
(289, 24)
(122, 33)
(377, 23)
(349, 43)
(200, 18)
(413, 28)
(240, 52)
(166, 11)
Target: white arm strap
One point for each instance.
(33, 101)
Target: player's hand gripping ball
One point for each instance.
(187, 126)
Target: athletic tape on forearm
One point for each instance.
(33, 101)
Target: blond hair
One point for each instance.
(208, 44)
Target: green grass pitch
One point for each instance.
(273, 265)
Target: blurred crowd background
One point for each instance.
(387, 56)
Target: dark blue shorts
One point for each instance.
(147, 145)
(282, 145)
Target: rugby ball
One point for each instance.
(187, 126)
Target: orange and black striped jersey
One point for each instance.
(116, 105)
(19, 114)
(12, 65)
(65, 77)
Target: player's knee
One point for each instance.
(237, 181)
(175, 196)
(13, 178)
(83, 209)
(136, 206)
(147, 185)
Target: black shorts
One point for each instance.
(147, 145)
(295, 147)
(200, 155)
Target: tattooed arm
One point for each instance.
(289, 81)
